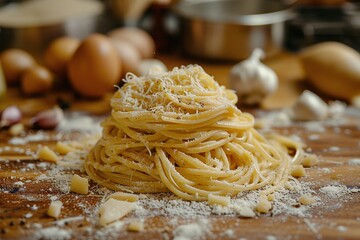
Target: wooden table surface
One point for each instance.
(336, 145)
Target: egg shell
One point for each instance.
(59, 52)
(15, 62)
(37, 80)
(138, 37)
(129, 55)
(95, 67)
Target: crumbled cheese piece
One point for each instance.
(63, 148)
(220, 200)
(306, 200)
(113, 210)
(264, 205)
(244, 211)
(298, 171)
(16, 129)
(47, 154)
(271, 197)
(124, 196)
(288, 186)
(55, 209)
(79, 184)
(310, 160)
(136, 226)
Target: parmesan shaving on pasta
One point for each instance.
(180, 131)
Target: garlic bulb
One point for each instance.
(252, 80)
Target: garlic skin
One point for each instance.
(10, 116)
(252, 80)
(308, 107)
(48, 119)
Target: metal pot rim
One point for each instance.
(181, 8)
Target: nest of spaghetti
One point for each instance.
(180, 131)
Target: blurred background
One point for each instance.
(32, 24)
(163, 34)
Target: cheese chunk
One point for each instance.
(244, 211)
(271, 197)
(113, 210)
(220, 200)
(47, 154)
(122, 196)
(306, 200)
(298, 171)
(16, 129)
(310, 160)
(79, 184)
(54, 209)
(63, 148)
(136, 226)
(264, 205)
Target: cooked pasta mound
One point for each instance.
(180, 131)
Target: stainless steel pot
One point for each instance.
(231, 29)
(33, 26)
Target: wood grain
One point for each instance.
(337, 218)
(332, 219)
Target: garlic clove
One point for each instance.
(309, 106)
(10, 116)
(48, 119)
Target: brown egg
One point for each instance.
(37, 80)
(138, 37)
(15, 62)
(129, 55)
(95, 67)
(58, 54)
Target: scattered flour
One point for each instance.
(53, 233)
(36, 137)
(354, 161)
(243, 205)
(192, 231)
(335, 191)
(80, 122)
(166, 204)
(314, 137)
(326, 170)
(270, 237)
(341, 229)
(229, 233)
(314, 126)
(111, 231)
